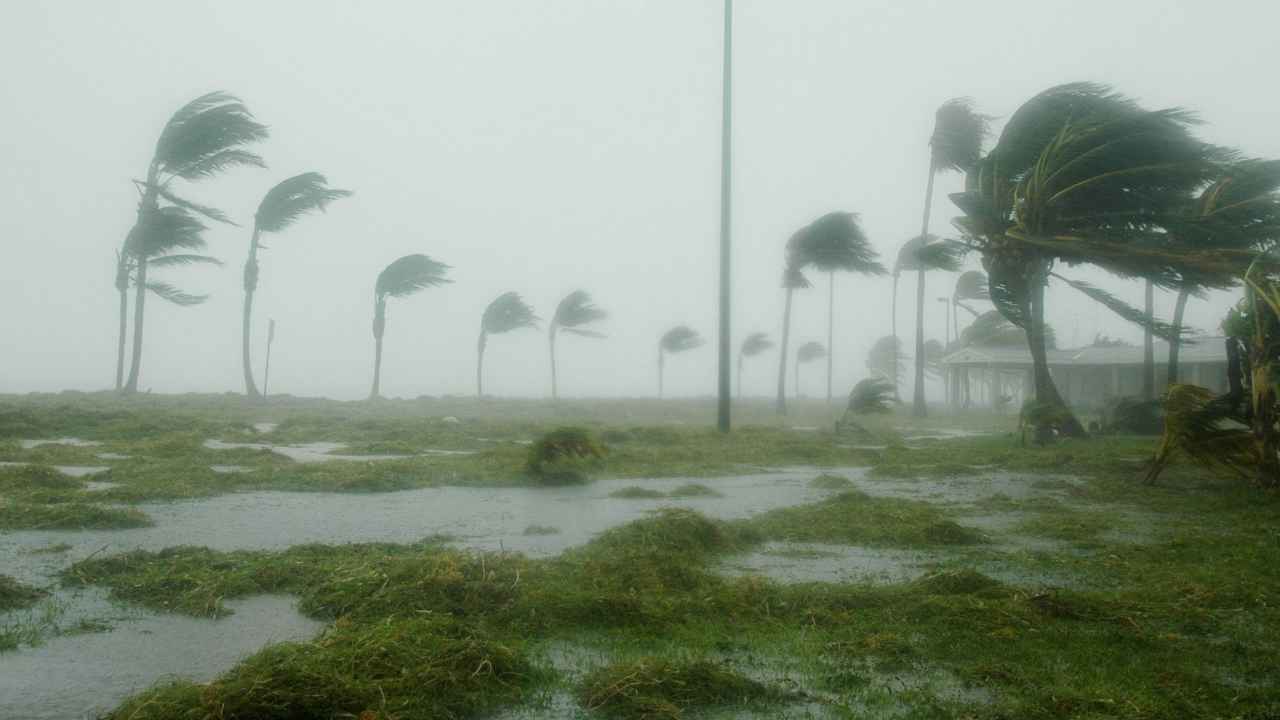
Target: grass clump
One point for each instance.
(16, 596)
(660, 689)
(690, 490)
(856, 518)
(635, 492)
(562, 456)
(830, 482)
(68, 516)
(28, 478)
(416, 668)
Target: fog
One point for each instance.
(543, 147)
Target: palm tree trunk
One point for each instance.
(797, 384)
(660, 368)
(266, 370)
(379, 326)
(831, 310)
(139, 302)
(1046, 391)
(1175, 343)
(480, 366)
(250, 285)
(782, 356)
(893, 320)
(551, 341)
(726, 177)
(1148, 346)
(918, 408)
(124, 332)
(739, 376)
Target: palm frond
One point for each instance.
(575, 310)
(1159, 328)
(881, 358)
(871, 396)
(810, 351)
(292, 198)
(409, 275)
(793, 279)
(754, 344)
(211, 165)
(202, 130)
(506, 313)
(583, 332)
(993, 329)
(182, 260)
(927, 252)
(958, 133)
(1206, 428)
(212, 213)
(971, 285)
(172, 294)
(833, 242)
(679, 339)
(165, 230)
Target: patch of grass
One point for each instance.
(661, 689)
(1064, 524)
(635, 492)
(416, 668)
(16, 596)
(689, 490)
(53, 549)
(68, 516)
(855, 518)
(830, 482)
(27, 478)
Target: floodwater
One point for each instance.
(319, 451)
(77, 675)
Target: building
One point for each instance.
(1087, 377)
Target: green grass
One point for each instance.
(856, 518)
(662, 689)
(68, 516)
(16, 596)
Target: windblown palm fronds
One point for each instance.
(991, 329)
(403, 277)
(958, 133)
(574, 313)
(928, 252)
(506, 313)
(1208, 429)
(810, 351)
(282, 206)
(871, 396)
(754, 344)
(886, 358)
(678, 339)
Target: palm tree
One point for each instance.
(833, 242)
(1080, 174)
(807, 353)
(508, 312)
(574, 313)
(885, 358)
(753, 345)
(200, 140)
(402, 278)
(970, 286)
(955, 145)
(678, 339)
(871, 396)
(280, 208)
(921, 254)
(1239, 209)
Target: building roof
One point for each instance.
(1200, 349)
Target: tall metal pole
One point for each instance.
(726, 148)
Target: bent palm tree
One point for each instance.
(807, 353)
(280, 208)
(508, 312)
(753, 345)
(678, 339)
(921, 254)
(833, 242)
(955, 145)
(1080, 175)
(574, 313)
(970, 286)
(402, 278)
(871, 396)
(200, 140)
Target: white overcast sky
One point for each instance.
(542, 147)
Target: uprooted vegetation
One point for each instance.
(35, 497)
(660, 689)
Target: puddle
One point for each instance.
(73, 442)
(265, 427)
(85, 675)
(99, 485)
(321, 451)
(228, 469)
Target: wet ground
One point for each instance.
(127, 649)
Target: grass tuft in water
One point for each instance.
(17, 596)
(661, 689)
(68, 516)
(830, 482)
